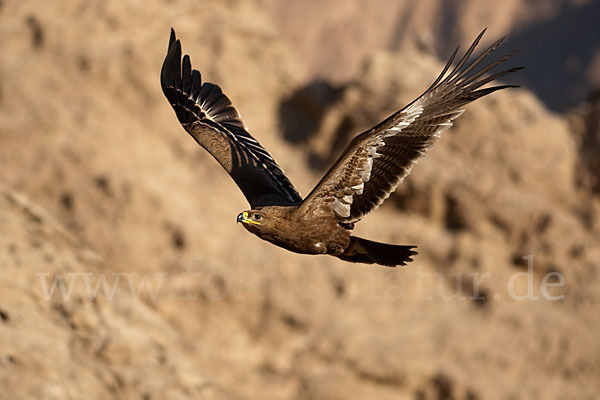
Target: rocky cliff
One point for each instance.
(164, 297)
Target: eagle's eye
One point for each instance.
(257, 216)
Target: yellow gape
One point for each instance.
(248, 220)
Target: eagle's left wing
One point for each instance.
(208, 116)
(377, 160)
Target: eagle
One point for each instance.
(364, 175)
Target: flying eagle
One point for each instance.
(366, 173)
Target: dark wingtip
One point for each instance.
(172, 38)
(171, 68)
(186, 74)
(478, 38)
(484, 92)
(481, 34)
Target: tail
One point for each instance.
(368, 252)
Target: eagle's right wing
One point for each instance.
(208, 116)
(377, 160)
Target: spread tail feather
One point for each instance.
(368, 252)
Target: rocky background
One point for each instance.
(164, 297)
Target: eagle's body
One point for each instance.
(368, 171)
(290, 229)
(306, 233)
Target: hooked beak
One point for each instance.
(240, 218)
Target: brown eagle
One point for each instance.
(366, 173)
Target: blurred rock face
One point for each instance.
(585, 123)
(558, 39)
(101, 189)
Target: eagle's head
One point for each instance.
(255, 221)
(252, 217)
(266, 222)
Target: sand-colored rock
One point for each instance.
(99, 178)
(558, 39)
(58, 343)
